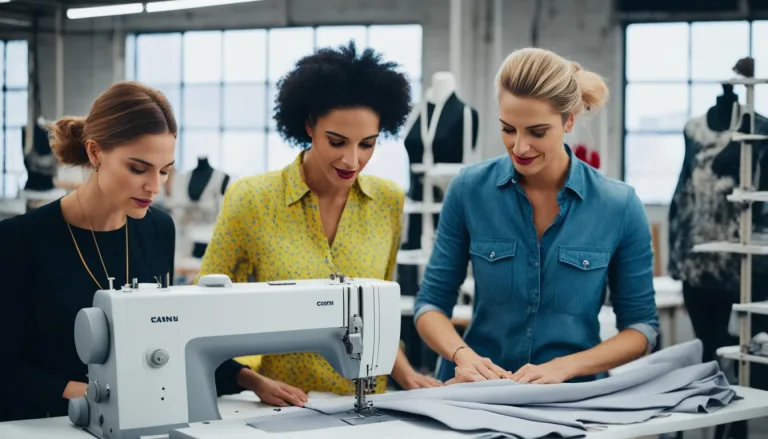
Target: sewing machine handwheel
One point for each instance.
(92, 336)
(79, 412)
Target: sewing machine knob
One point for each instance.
(99, 391)
(92, 336)
(158, 358)
(79, 412)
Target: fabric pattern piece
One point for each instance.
(668, 381)
(269, 229)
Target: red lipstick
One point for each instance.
(346, 175)
(143, 203)
(524, 160)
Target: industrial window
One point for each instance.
(222, 88)
(13, 114)
(673, 73)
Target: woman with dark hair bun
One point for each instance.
(319, 215)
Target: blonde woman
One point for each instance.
(545, 234)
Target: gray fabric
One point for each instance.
(671, 380)
(296, 421)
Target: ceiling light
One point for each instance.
(105, 11)
(175, 5)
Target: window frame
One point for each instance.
(4, 90)
(269, 83)
(689, 82)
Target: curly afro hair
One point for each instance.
(338, 78)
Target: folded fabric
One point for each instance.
(672, 380)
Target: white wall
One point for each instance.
(581, 30)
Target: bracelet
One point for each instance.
(453, 358)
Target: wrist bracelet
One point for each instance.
(453, 358)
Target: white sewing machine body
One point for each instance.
(152, 352)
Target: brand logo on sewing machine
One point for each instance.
(164, 319)
(325, 303)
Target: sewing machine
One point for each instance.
(152, 350)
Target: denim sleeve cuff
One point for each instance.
(426, 308)
(650, 333)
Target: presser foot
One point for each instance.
(365, 415)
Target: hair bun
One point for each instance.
(67, 140)
(576, 67)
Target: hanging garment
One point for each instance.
(40, 162)
(701, 213)
(672, 380)
(191, 215)
(447, 147)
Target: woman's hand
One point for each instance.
(414, 380)
(270, 391)
(476, 368)
(553, 372)
(74, 390)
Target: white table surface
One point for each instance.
(234, 409)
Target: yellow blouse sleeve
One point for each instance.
(227, 252)
(396, 238)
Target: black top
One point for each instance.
(46, 284)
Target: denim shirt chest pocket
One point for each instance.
(493, 267)
(581, 277)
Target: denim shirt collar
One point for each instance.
(574, 182)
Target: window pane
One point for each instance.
(202, 57)
(401, 44)
(245, 106)
(271, 105)
(245, 55)
(390, 161)
(648, 43)
(415, 91)
(12, 185)
(761, 99)
(17, 56)
(202, 106)
(14, 153)
(715, 48)
(173, 94)
(130, 57)
(652, 107)
(333, 36)
(704, 96)
(760, 48)
(653, 165)
(16, 108)
(279, 153)
(158, 58)
(286, 46)
(201, 143)
(243, 153)
(2, 62)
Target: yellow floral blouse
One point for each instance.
(269, 229)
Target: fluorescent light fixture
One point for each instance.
(175, 5)
(105, 11)
(5, 1)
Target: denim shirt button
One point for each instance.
(585, 263)
(492, 255)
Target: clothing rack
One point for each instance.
(746, 195)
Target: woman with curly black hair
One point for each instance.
(318, 215)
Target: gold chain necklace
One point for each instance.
(82, 259)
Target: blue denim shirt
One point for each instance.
(538, 300)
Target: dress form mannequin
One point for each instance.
(194, 200)
(445, 131)
(39, 159)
